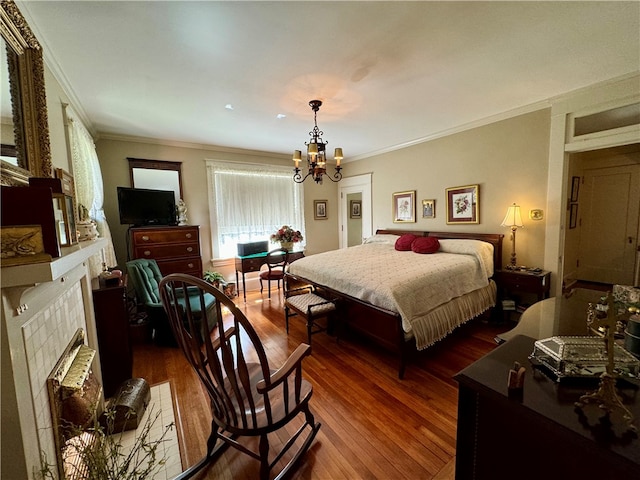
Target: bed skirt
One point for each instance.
(442, 320)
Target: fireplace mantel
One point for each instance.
(43, 305)
(34, 273)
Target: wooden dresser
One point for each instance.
(176, 249)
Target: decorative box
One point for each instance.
(581, 357)
(252, 248)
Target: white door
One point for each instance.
(608, 217)
(347, 188)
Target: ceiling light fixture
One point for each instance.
(316, 154)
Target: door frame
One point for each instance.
(562, 143)
(356, 184)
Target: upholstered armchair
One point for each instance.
(145, 276)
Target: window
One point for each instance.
(250, 202)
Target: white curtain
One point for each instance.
(249, 202)
(87, 178)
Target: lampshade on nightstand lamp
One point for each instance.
(513, 220)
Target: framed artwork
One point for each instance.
(462, 204)
(355, 209)
(428, 208)
(320, 209)
(22, 244)
(575, 185)
(404, 207)
(60, 215)
(573, 215)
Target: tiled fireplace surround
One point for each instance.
(42, 307)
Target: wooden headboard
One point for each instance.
(494, 239)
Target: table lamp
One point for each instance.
(513, 220)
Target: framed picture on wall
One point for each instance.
(429, 208)
(355, 209)
(404, 207)
(320, 209)
(573, 215)
(463, 204)
(575, 186)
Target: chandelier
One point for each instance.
(316, 154)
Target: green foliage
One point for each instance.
(213, 277)
(103, 456)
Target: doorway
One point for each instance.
(354, 228)
(601, 241)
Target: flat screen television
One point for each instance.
(141, 206)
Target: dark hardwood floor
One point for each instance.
(374, 426)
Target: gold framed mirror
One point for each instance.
(25, 70)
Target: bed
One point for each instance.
(405, 300)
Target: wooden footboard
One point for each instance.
(382, 326)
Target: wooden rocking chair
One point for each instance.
(248, 398)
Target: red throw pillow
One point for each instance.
(403, 244)
(425, 245)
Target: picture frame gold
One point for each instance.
(320, 210)
(69, 191)
(429, 208)
(404, 207)
(22, 244)
(463, 204)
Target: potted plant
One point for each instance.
(214, 278)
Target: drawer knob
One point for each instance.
(147, 253)
(189, 249)
(190, 265)
(145, 238)
(188, 235)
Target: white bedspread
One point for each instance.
(408, 283)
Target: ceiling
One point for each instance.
(389, 73)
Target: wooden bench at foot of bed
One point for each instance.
(382, 326)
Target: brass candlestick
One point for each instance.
(606, 397)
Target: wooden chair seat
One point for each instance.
(310, 306)
(276, 263)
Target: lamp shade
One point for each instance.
(513, 217)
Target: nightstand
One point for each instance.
(517, 282)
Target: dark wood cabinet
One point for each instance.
(538, 434)
(175, 249)
(112, 328)
(524, 281)
(523, 287)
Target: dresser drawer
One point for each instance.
(168, 235)
(167, 251)
(191, 266)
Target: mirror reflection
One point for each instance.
(8, 151)
(25, 124)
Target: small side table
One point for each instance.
(512, 282)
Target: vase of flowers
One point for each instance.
(287, 236)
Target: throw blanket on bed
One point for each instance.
(408, 283)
